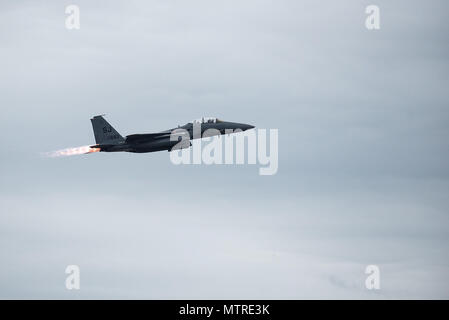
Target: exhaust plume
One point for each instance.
(71, 152)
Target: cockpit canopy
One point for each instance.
(207, 120)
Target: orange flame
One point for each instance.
(71, 151)
(91, 150)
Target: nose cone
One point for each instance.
(245, 127)
(236, 126)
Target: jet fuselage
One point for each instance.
(109, 140)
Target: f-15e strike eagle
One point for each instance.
(109, 140)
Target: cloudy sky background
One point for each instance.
(363, 149)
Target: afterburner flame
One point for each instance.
(71, 151)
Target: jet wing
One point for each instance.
(136, 138)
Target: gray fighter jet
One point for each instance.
(109, 140)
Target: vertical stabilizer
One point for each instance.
(104, 132)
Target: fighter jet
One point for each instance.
(109, 140)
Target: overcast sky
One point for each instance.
(363, 149)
